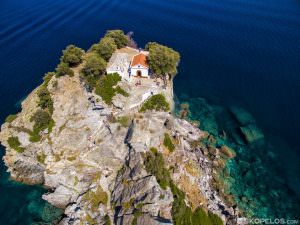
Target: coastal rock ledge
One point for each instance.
(114, 163)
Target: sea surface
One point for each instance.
(240, 60)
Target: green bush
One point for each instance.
(47, 77)
(10, 118)
(95, 198)
(137, 213)
(63, 69)
(105, 48)
(14, 143)
(168, 142)
(162, 60)
(45, 100)
(124, 121)
(72, 55)
(34, 136)
(154, 164)
(42, 120)
(156, 102)
(106, 89)
(215, 219)
(41, 158)
(107, 220)
(118, 36)
(94, 66)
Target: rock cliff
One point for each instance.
(92, 161)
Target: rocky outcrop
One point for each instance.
(137, 195)
(92, 162)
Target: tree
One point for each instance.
(162, 60)
(156, 102)
(41, 120)
(95, 66)
(72, 55)
(119, 37)
(63, 69)
(105, 48)
(45, 100)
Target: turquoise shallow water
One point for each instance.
(253, 175)
(234, 53)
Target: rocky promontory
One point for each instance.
(122, 159)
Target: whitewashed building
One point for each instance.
(129, 63)
(119, 63)
(139, 66)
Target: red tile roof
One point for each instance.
(140, 59)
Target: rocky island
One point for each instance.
(108, 147)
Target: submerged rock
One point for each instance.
(252, 133)
(241, 115)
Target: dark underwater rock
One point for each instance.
(241, 115)
(251, 133)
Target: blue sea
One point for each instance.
(236, 54)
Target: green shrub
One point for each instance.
(72, 55)
(34, 136)
(105, 48)
(106, 89)
(168, 142)
(215, 219)
(63, 69)
(95, 198)
(137, 213)
(118, 36)
(156, 102)
(162, 60)
(42, 120)
(94, 66)
(14, 143)
(41, 158)
(47, 77)
(154, 164)
(124, 121)
(107, 220)
(45, 100)
(10, 118)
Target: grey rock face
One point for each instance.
(93, 174)
(26, 170)
(136, 191)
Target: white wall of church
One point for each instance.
(144, 71)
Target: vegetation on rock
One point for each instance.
(107, 220)
(95, 198)
(168, 142)
(41, 158)
(162, 60)
(10, 118)
(45, 100)
(154, 164)
(105, 48)
(118, 36)
(124, 121)
(63, 69)
(156, 102)
(15, 144)
(107, 88)
(72, 55)
(94, 67)
(42, 120)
